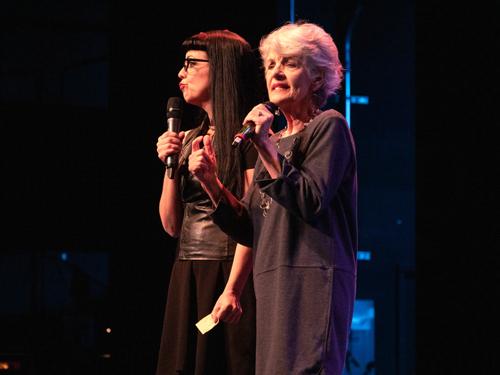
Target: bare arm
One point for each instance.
(170, 206)
(202, 164)
(228, 307)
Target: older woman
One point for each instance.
(300, 215)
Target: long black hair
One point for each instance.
(236, 85)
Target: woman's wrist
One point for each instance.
(232, 291)
(261, 141)
(214, 190)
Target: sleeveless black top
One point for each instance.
(200, 237)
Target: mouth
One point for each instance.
(182, 86)
(278, 86)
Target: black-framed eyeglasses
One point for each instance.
(188, 63)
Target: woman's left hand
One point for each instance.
(202, 161)
(227, 308)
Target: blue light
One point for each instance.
(363, 316)
(64, 256)
(360, 99)
(361, 338)
(364, 255)
(347, 44)
(348, 80)
(292, 11)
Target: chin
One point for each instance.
(277, 99)
(280, 100)
(190, 100)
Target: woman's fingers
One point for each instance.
(231, 315)
(207, 142)
(261, 117)
(167, 150)
(169, 143)
(196, 145)
(227, 308)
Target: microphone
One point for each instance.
(248, 129)
(174, 116)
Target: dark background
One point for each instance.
(83, 88)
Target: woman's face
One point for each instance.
(195, 78)
(288, 81)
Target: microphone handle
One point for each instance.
(246, 132)
(173, 125)
(248, 129)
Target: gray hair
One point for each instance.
(315, 46)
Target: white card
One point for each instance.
(206, 324)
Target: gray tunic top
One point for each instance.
(303, 229)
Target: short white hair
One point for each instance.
(315, 46)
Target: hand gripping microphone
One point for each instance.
(174, 116)
(248, 129)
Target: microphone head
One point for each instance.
(174, 107)
(273, 108)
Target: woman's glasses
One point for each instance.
(190, 62)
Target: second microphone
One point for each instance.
(248, 129)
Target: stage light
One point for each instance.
(11, 366)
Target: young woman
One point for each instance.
(220, 76)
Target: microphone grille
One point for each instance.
(174, 107)
(273, 108)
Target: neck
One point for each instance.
(207, 107)
(297, 123)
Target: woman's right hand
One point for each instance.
(263, 119)
(169, 143)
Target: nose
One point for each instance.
(182, 73)
(278, 68)
(277, 72)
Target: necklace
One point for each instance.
(305, 124)
(265, 200)
(265, 203)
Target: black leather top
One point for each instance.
(200, 238)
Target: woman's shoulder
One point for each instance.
(330, 116)
(329, 120)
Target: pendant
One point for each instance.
(265, 203)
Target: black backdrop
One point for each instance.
(83, 90)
